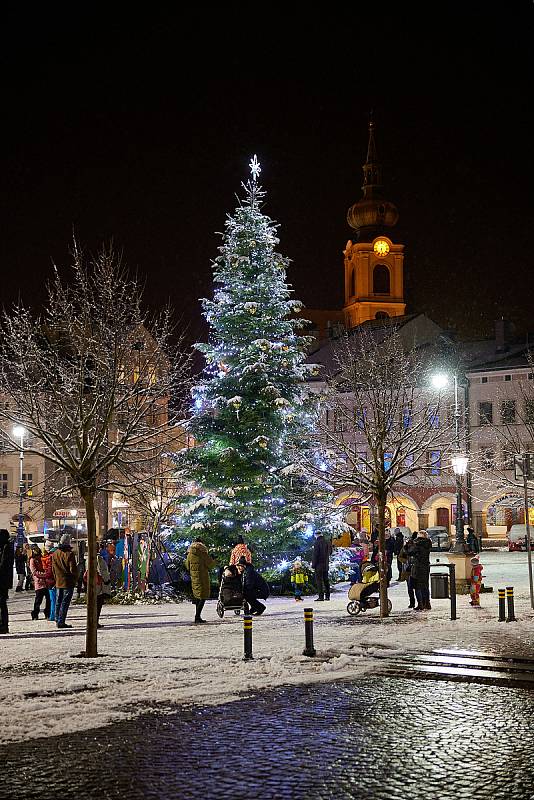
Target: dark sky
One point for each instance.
(118, 125)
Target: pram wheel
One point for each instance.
(354, 608)
(220, 609)
(237, 612)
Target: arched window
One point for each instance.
(381, 315)
(353, 282)
(381, 279)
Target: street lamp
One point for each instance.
(18, 432)
(459, 462)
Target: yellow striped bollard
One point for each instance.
(309, 650)
(510, 602)
(247, 637)
(502, 614)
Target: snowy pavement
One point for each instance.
(153, 657)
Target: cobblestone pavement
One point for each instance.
(378, 739)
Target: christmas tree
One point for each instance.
(253, 403)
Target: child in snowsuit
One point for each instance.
(476, 581)
(299, 578)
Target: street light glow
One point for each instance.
(440, 380)
(19, 431)
(459, 464)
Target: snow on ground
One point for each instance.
(152, 656)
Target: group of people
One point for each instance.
(238, 573)
(53, 575)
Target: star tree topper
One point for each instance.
(255, 168)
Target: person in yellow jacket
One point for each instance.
(299, 579)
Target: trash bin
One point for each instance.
(439, 585)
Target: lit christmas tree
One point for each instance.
(253, 404)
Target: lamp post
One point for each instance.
(19, 432)
(459, 463)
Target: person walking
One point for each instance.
(420, 571)
(40, 583)
(406, 560)
(50, 549)
(198, 563)
(65, 572)
(321, 563)
(239, 550)
(254, 586)
(472, 541)
(6, 577)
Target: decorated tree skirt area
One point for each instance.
(152, 657)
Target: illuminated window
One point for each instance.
(27, 482)
(433, 460)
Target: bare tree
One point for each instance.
(503, 433)
(97, 382)
(382, 425)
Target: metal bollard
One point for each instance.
(510, 602)
(502, 615)
(247, 637)
(309, 650)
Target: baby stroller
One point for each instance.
(360, 598)
(231, 596)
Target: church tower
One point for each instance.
(373, 262)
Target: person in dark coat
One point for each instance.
(320, 563)
(472, 541)
(420, 571)
(399, 542)
(254, 586)
(21, 561)
(6, 577)
(406, 560)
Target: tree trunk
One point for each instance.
(91, 631)
(382, 560)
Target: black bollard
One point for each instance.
(309, 650)
(502, 615)
(247, 636)
(510, 601)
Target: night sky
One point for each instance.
(140, 129)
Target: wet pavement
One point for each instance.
(379, 738)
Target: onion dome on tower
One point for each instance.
(372, 215)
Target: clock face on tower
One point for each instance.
(381, 248)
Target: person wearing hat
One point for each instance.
(254, 586)
(6, 577)
(65, 572)
(476, 581)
